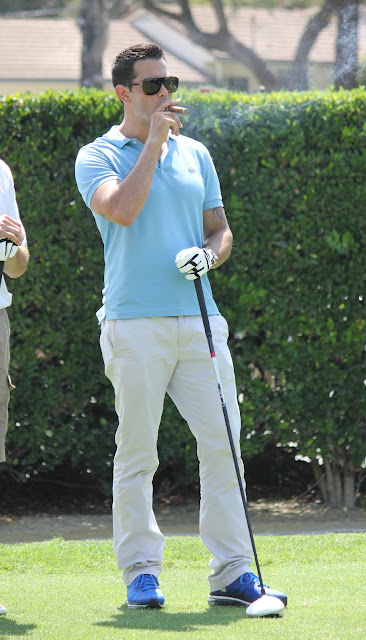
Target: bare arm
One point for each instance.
(15, 267)
(121, 201)
(217, 234)
(12, 229)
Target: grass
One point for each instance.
(59, 590)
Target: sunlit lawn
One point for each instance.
(59, 590)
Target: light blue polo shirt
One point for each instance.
(141, 278)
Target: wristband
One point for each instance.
(212, 257)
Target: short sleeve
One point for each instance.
(92, 168)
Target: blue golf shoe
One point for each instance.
(243, 591)
(144, 593)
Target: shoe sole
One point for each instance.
(152, 604)
(226, 601)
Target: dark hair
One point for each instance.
(123, 70)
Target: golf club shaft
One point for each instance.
(206, 324)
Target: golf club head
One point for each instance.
(266, 607)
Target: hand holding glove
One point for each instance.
(195, 262)
(8, 249)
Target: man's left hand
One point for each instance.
(11, 237)
(7, 249)
(195, 262)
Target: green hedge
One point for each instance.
(292, 168)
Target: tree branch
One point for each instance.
(221, 18)
(221, 40)
(295, 78)
(345, 71)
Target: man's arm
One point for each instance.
(121, 201)
(12, 229)
(217, 234)
(15, 267)
(194, 262)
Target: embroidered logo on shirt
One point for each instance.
(191, 169)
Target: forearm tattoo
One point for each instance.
(218, 218)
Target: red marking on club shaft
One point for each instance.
(213, 354)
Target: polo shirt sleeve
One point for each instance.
(213, 196)
(92, 168)
(8, 203)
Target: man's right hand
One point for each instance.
(165, 118)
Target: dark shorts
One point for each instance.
(5, 382)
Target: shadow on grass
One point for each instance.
(163, 620)
(9, 627)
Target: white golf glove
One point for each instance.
(195, 262)
(7, 249)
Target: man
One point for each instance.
(14, 258)
(156, 200)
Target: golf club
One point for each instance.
(265, 606)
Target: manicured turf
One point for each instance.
(60, 590)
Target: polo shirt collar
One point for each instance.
(119, 140)
(116, 137)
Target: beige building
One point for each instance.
(36, 54)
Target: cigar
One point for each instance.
(175, 109)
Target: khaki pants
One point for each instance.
(5, 383)
(145, 358)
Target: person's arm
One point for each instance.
(121, 201)
(217, 234)
(15, 267)
(194, 262)
(12, 229)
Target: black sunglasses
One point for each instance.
(151, 86)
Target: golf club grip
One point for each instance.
(203, 309)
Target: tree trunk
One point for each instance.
(93, 23)
(337, 480)
(296, 77)
(345, 71)
(337, 483)
(331, 495)
(320, 479)
(349, 490)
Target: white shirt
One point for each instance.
(8, 207)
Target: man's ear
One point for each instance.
(123, 93)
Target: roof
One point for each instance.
(275, 33)
(35, 49)
(51, 49)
